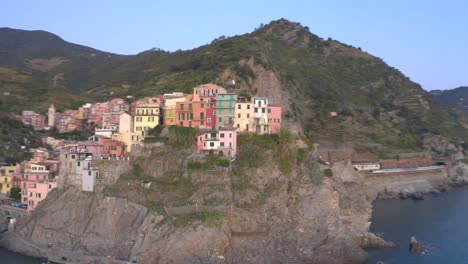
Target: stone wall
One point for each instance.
(110, 170)
(424, 181)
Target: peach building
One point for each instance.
(243, 115)
(170, 109)
(208, 91)
(274, 119)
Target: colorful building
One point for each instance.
(225, 110)
(146, 115)
(260, 116)
(112, 148)
(211, 113)
(243, 115)
(125, 122)
(6, 179)
(274, 118)
(205, 92)
(222, 142)
(170, 112)
(37, 181)
(184, 114)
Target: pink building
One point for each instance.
(37, 181)
(274, 118)
(222, 142)
(37, 191)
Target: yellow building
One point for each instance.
(128, 138)
(146, 115)
(243, 115)
(170, 110)
(6, 179)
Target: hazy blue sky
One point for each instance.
(426, 40)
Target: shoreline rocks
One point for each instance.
(415, 246)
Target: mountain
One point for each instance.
(308, 76)
(455, 98)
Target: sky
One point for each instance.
(426, 40)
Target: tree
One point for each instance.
(15, 193)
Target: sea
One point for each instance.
(9, 257)
(439, 221)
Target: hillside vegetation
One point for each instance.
(308, 76)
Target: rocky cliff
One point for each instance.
(258, 214)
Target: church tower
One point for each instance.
(51, 114)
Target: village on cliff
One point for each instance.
(121, 128)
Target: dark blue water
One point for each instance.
(8, 257)
(440, 222)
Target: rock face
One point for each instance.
(284, 219)
(415, 246)
(453, 155)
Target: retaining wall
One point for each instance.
(409, 182)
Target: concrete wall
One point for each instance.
(407, 182)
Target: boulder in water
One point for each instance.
(415, 246)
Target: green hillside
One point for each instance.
(309, 76)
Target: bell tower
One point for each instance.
(51, 115)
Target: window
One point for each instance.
(138, 128)
(238, 115)
(78, 163)
(248, 115)
(182, 107)
(151, 119)
(222, 144)
(238, 106)
(248, 106)
(220, 119)
(230, 135)
(263, 110)
(222, 135)
(202, 105)
(190, 106)
(139, 119)
(269, 110)
(113, 147)
(211, 144)
(89, 172)
(204, 144)
(256, 110)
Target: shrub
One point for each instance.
(15, 193)
(328, 172)
(137, 170)
(182, 136)
(301, 155)
(222, 162)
